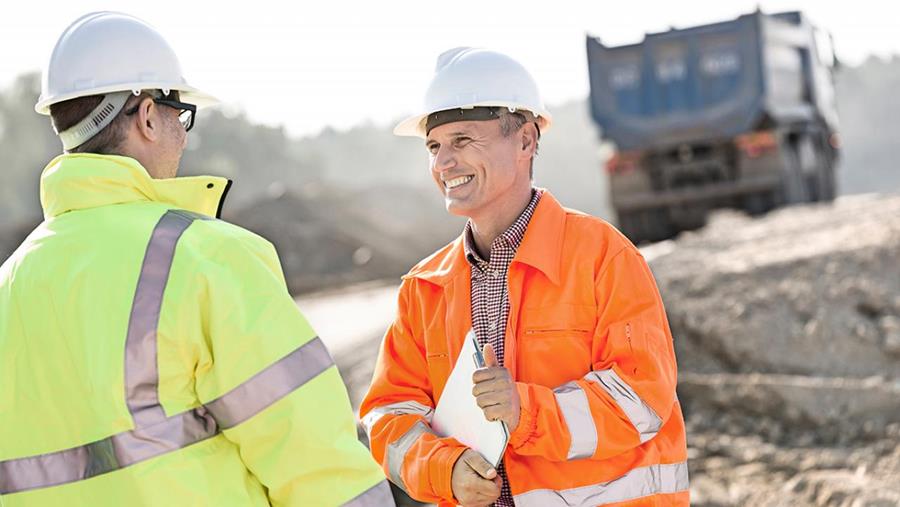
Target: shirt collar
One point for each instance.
(511, 237)
(541, 248)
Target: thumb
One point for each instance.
(490, 358)
(480, 465)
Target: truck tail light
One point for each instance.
(756, 144)
(622, 162)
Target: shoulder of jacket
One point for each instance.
(582, 224)
(437, 266)
(215, 234)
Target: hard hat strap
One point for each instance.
(439, 118)
(95, 121)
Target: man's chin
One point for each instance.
(457, 207)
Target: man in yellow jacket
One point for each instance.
(150, 354)
(580, 364)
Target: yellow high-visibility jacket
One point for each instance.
(150, 354)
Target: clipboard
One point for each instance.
(458, 415)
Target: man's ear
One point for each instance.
(148, 120)
(529, 139)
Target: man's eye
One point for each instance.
(433, 148)
(462, 140)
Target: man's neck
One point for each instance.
(487, 227)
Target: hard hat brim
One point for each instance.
(188, 93)
(414, 126)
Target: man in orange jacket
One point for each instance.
(579, 358)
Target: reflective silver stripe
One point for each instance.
(637, 483)
(111, 453)
(402, 407)
(270, 385)
(378, 495)
(397, 450)
(639, 413)
(171, 434)
(573, 404)
(141, 369)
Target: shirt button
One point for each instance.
(495, 273)
(493, 326)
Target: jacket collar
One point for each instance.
(541, 247)
(86, 180)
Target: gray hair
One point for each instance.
(510, 123)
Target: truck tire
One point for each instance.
(794, 186)
(822, 184)
(646, 225)
(826, 187)
(759, 203)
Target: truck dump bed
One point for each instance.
(709, 82)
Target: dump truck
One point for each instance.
(735, 114)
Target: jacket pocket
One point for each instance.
(437, 360)
(555, 343)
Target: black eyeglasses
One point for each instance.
(185, 116)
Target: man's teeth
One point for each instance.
(457, 182)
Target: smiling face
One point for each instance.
(478, 170)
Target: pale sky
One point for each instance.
(306, 65)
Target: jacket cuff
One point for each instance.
(440, 469)
(527, 420)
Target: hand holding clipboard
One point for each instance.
(495, 391)
(457, 413)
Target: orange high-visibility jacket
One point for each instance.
(589, 346)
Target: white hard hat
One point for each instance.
(105, 52)
(466, 78)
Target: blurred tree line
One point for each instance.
(373, 183)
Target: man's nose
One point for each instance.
(444, 160)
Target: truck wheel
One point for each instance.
(646, 225)
(758, 203)
(629, 224)
(826, 188)
(688, 217)
(794, 185)
(828, 185)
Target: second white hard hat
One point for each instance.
(466, 78)
(105, 52)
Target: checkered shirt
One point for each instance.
(490, 296)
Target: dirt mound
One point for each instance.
(787, 330)
(327, 238)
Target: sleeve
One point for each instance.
(397, 410)
(630, 393)
(274, 390)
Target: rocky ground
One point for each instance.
(787, 329)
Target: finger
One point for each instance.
(490, 358)
(491, 386)
(486, 499)
(477, 501)
(496, 412)
(480, 465)
(487, 489)
(486, 374)
(490, 399)
(492, 488)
